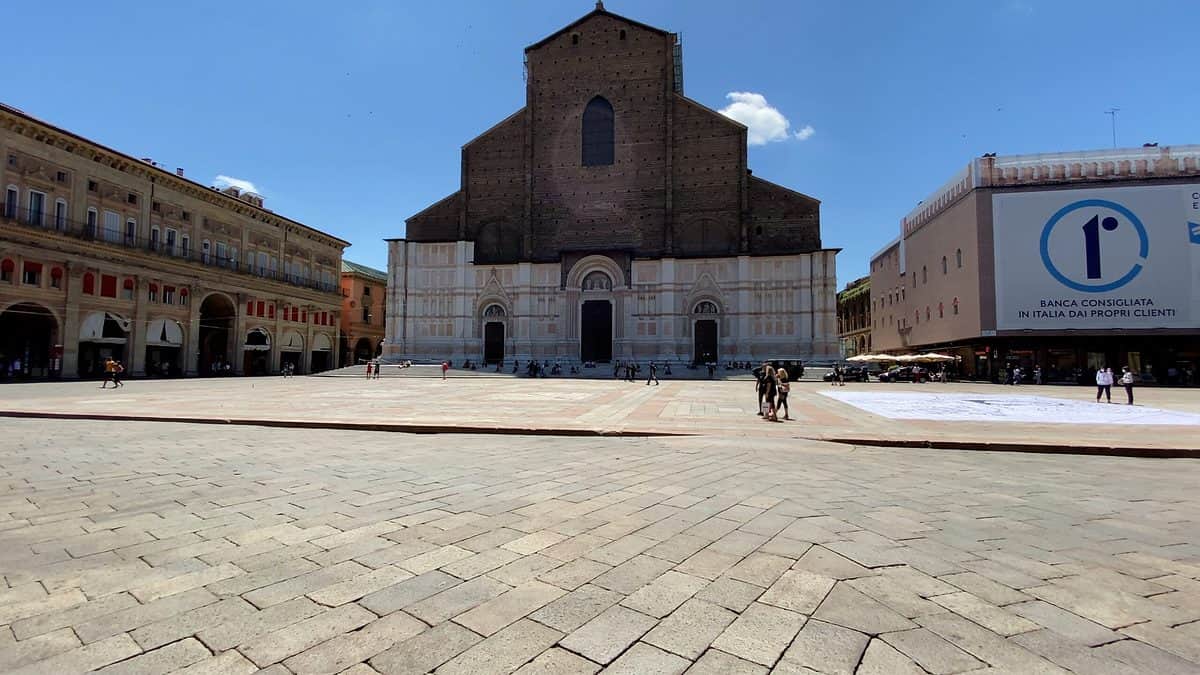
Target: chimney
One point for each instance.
(252, 198)
(179, 171)
(232, 191)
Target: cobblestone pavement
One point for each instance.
(153, 547)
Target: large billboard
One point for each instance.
(1117, 257)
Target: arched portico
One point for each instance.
(29, 336)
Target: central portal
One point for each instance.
(595, 331)
(493, 342)
(706, 342)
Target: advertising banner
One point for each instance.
(1119, 257)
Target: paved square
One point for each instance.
(164, 546)
(1007, 407)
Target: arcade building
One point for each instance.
(611, 218)
(107, 255)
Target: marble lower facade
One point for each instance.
(605, 307)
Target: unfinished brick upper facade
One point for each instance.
(678, 185)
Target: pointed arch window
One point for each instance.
(598, 133)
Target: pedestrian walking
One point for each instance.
(445, 367)
(653, 375)
(758, 387)
(784, 388)
(110, 369)
(1127, 382)
(1037, 375)
(771, 386)
(378, 367)
(369, 364)
(1104, 384)
(118, 368)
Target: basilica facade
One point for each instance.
(611, 218)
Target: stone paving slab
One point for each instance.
(154, 547)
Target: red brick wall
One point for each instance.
(678, 185)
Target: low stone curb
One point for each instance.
(344, 426)
(1036, 448)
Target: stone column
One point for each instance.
(191, 339)
(136, 358)
(237, 336)
(276, 335)
(306, 355)
(68, 335)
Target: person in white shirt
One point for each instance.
(1104, 381)
(1127, 382)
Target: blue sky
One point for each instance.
(349, 116)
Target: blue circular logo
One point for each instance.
(1092, 238)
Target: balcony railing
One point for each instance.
(46, 220)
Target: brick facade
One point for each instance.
(678, 185)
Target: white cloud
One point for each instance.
(223, 181)
(765, 122)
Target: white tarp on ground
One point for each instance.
(964, 407)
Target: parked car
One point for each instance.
(795, 369)
(905, 374)
(849, 374)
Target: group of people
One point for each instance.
(112, 373)
(1105, 381)
(772, 386)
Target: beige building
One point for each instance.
(1067, 262)
(364, 299)
(854, 317)
(106, 255)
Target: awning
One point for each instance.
(292, 342)
(257, 340)
(92, 328)
(321, 343)
(164, 333)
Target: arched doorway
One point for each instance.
(493, 334)
(102, 336)
(705, 333)
(363, 351)
(291, 351)
(164, 343)
(217, 315)
(256, 353)
(322, 350)
(596, 318)
(28, 335)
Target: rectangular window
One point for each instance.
(108, 286)
(31, 274)
(185, 246)
(262, 308)
(168, 295)
(60, 215)
(131, 198)
(205, 250)
(112, 227)
(130, 232)
(10, 203)
(92, 187)
(263, 262)
(154, 238)
(221, 253)
(37, 208)
(61, 176)
(127, 290)
(153, 293)
(234, 260)
(90, 230)
(169, 245)
(56, 278)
